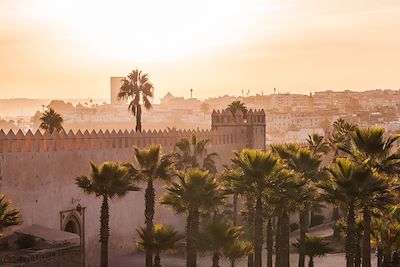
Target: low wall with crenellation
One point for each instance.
(37, 173)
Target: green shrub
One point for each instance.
(25, 241)
(293, 227)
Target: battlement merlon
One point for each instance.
(248, 128)
(224, 130)
(226, 118)
(43, 141)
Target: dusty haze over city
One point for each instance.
(69, 49)
(224, 132)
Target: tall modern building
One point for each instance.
(115, 85)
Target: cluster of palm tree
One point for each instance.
(363, 181)
(192, 189)
(354, 169)
(135, 88)
(272, 185)
(198, 193)
(315, 246)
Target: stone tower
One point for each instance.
(248, 131)
(115, 85)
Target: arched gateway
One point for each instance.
(73, 221)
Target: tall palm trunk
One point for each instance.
(311, 262)
(215, 259)
(312, 220)
(192, 230)
(234, 202)
(285, 239)
(395, 258)
(258, 233)
(149, 214)
(366, 247)
(350, 242)
(335, 218)
(357, 257)
(387, 259)
(138, 118)
(379, 257)
(270, 242)
(157, 259)
(104, 232)
(303, 222)
(250, 230)
(278, 240)
(189, 238)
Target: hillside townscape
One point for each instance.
(182, 133)
(289, 117)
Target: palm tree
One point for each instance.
(317, 144)
(137, 89)
(347, 184)
(386, 239)
(258, 168)
(9, 216)
(306, 197)
(163, 238)
(371, 148)
(216, 235)
(300, 159)
(192, 153)
(236, 184)
(236, 251)
(306, 164)
(230, 176)
(341, 136)
(51, 120)
(196, 191)
(358, 234)
(204, 107)
(315, 247)
(377, 195)
(340, 125)
(109, 180)
(269, 240)
(277, 196)
(237, 106)
(284, 198)
(148, 166)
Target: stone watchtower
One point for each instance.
(248, 129)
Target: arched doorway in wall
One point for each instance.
(72, 225)
(73, 221)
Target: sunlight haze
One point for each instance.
(64, 49)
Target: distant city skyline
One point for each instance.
(68, 49)
(156, 100)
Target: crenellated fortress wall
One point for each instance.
(37, 172)
(62, 141)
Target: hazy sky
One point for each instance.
(65, 49)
